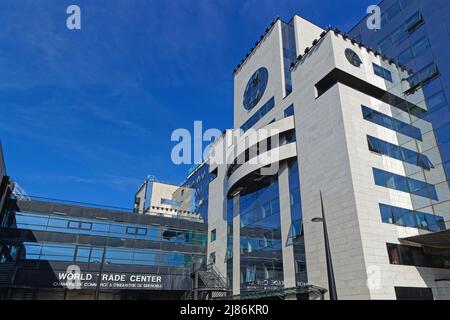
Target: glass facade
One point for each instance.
(229, 253)
(417, 37)
(40, 240)
(415, 256)
(296, 235)
(289, 53)
(199, 180)
(382, 72)
(399, 153)
(261, 264)
(391, 123)
(413, 219)
(75, 225)
(90, 254)
(269, 105)
(397, 182)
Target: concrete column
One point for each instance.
(285, 218)
(236, 247)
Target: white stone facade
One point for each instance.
(333, 156)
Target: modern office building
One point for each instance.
(59, 250)
(330, 125)
(347, 129)
(167, 200)
(198, 180)
(416, 34)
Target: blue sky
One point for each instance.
(86, 115)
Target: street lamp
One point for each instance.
(100, 274)
(330, 273)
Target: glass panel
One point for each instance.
(391, 123)
(410, 218)
(414, 22)
(401, 183)
(74, 224)
(54, 222)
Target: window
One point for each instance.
(212, 258)
(413, 219)
(171, 202)
(86, 226)
(421, 46)
(382, 72)
(289, 111)
(259, 114)
(43, 251)
(213, 174)
(141, 231)
(137, 231)
(300, 266)
(391, 123)
(213, 235)
(436, 101)
(31, 221)
(443, 134)
(390, 13)
(415, 256)
(398, 35)
(82, 254)
(405, 3)
(402, 32)
(295, 232)
(131, 230)
(74, 225)
(414, 22)
(268, 240)
(404, 184)
(250, 273)
(406, 56)
(422, 77)
(414, 51)
(408, 293)
(399, 153)
(385, 44)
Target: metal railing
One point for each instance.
(207, 284)
(194, 218)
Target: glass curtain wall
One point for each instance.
(261, 264)
(296, 235)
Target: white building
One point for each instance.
(339, 122)
(163, 199)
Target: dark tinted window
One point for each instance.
(406, 293)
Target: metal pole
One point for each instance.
(330, 272)
(196, 285)
(97, 288)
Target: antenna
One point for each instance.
(2, 162)
(152, 178)
(19, 193)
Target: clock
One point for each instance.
(256, 86)
(353, 57)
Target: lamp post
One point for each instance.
(330, 272)
(100, 274)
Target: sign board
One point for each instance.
(74, 279)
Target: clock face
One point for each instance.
(352, 57)
(255, 88)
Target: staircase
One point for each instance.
(7, 273)
(208, 284)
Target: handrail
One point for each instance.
(214, 268)
(80, 204)
(112, 208)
